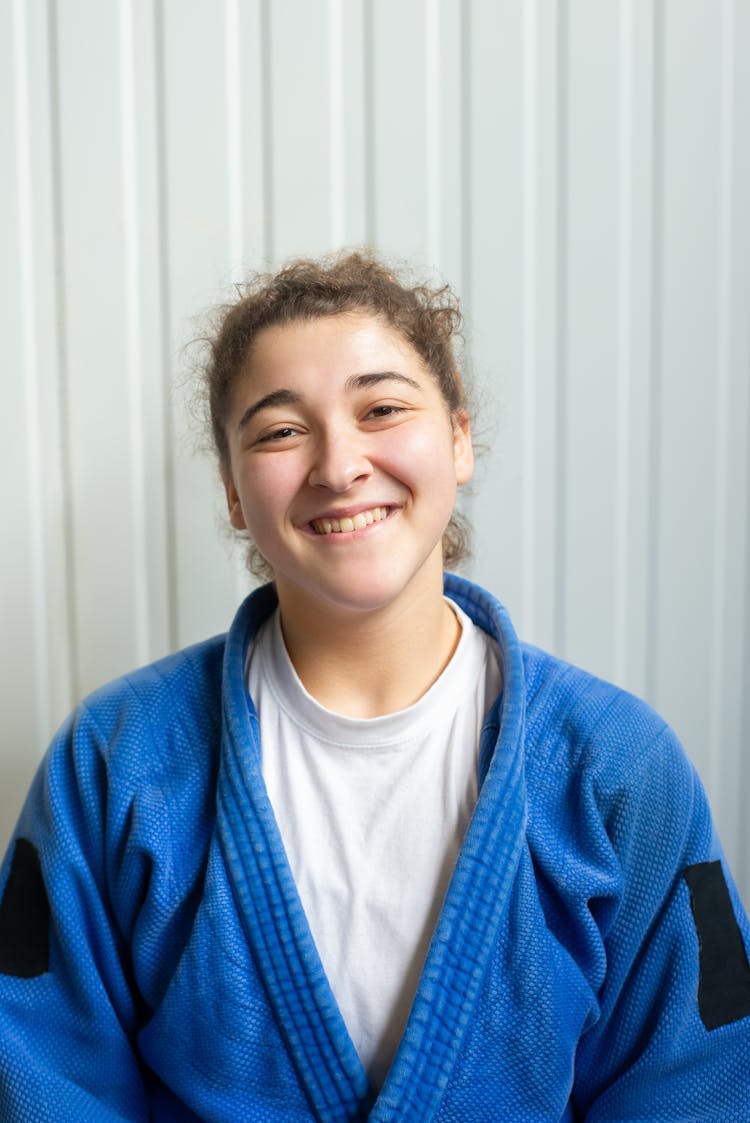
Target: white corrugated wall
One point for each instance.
(579, 169)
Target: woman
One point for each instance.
(366, 856)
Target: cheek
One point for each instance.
(267, 489)
(425, 460)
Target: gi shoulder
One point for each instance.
(615, 806)
(180, 693)
(126, 789)
(582, 726)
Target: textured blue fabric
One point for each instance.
(562, 978)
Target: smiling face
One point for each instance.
(344, 463)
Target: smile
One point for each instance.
(357, 522)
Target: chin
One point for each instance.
(371, 588)
(357, 597)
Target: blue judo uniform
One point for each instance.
(589, 961)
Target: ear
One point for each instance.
(234, 507)
(463, 450)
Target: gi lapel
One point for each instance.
(465, 936)
(273, 918)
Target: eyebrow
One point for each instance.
(275, 398)
(354, 382)
(363, 381)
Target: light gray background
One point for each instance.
(579, 170)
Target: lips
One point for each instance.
(348, 523)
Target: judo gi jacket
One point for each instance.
(589, 962)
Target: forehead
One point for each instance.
(350, 342)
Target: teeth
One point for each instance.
(357, 522)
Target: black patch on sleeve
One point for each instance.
(724, 984)
(24, 916)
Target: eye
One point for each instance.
(283, 433)
(385, 411)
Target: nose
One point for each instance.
(340, 461)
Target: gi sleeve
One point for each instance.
(67, 1007)
(672, 1037)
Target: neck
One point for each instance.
(377, 663)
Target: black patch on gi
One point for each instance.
(24, 916)
(724, 984)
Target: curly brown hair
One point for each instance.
(428, 317)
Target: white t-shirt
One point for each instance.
(372, 812)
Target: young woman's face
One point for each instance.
(344, 462)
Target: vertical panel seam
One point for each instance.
(170, 537)
(467, 230)
(133, 330)
(267, 130)
(235, 185)
(337, 132)
(432, 128)
(657, 249)
(744, 757)
(563, 109)
(368, 67)
(25, 235)
(624, 342)
(529, 365)
(723, 377)
(53, 46)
